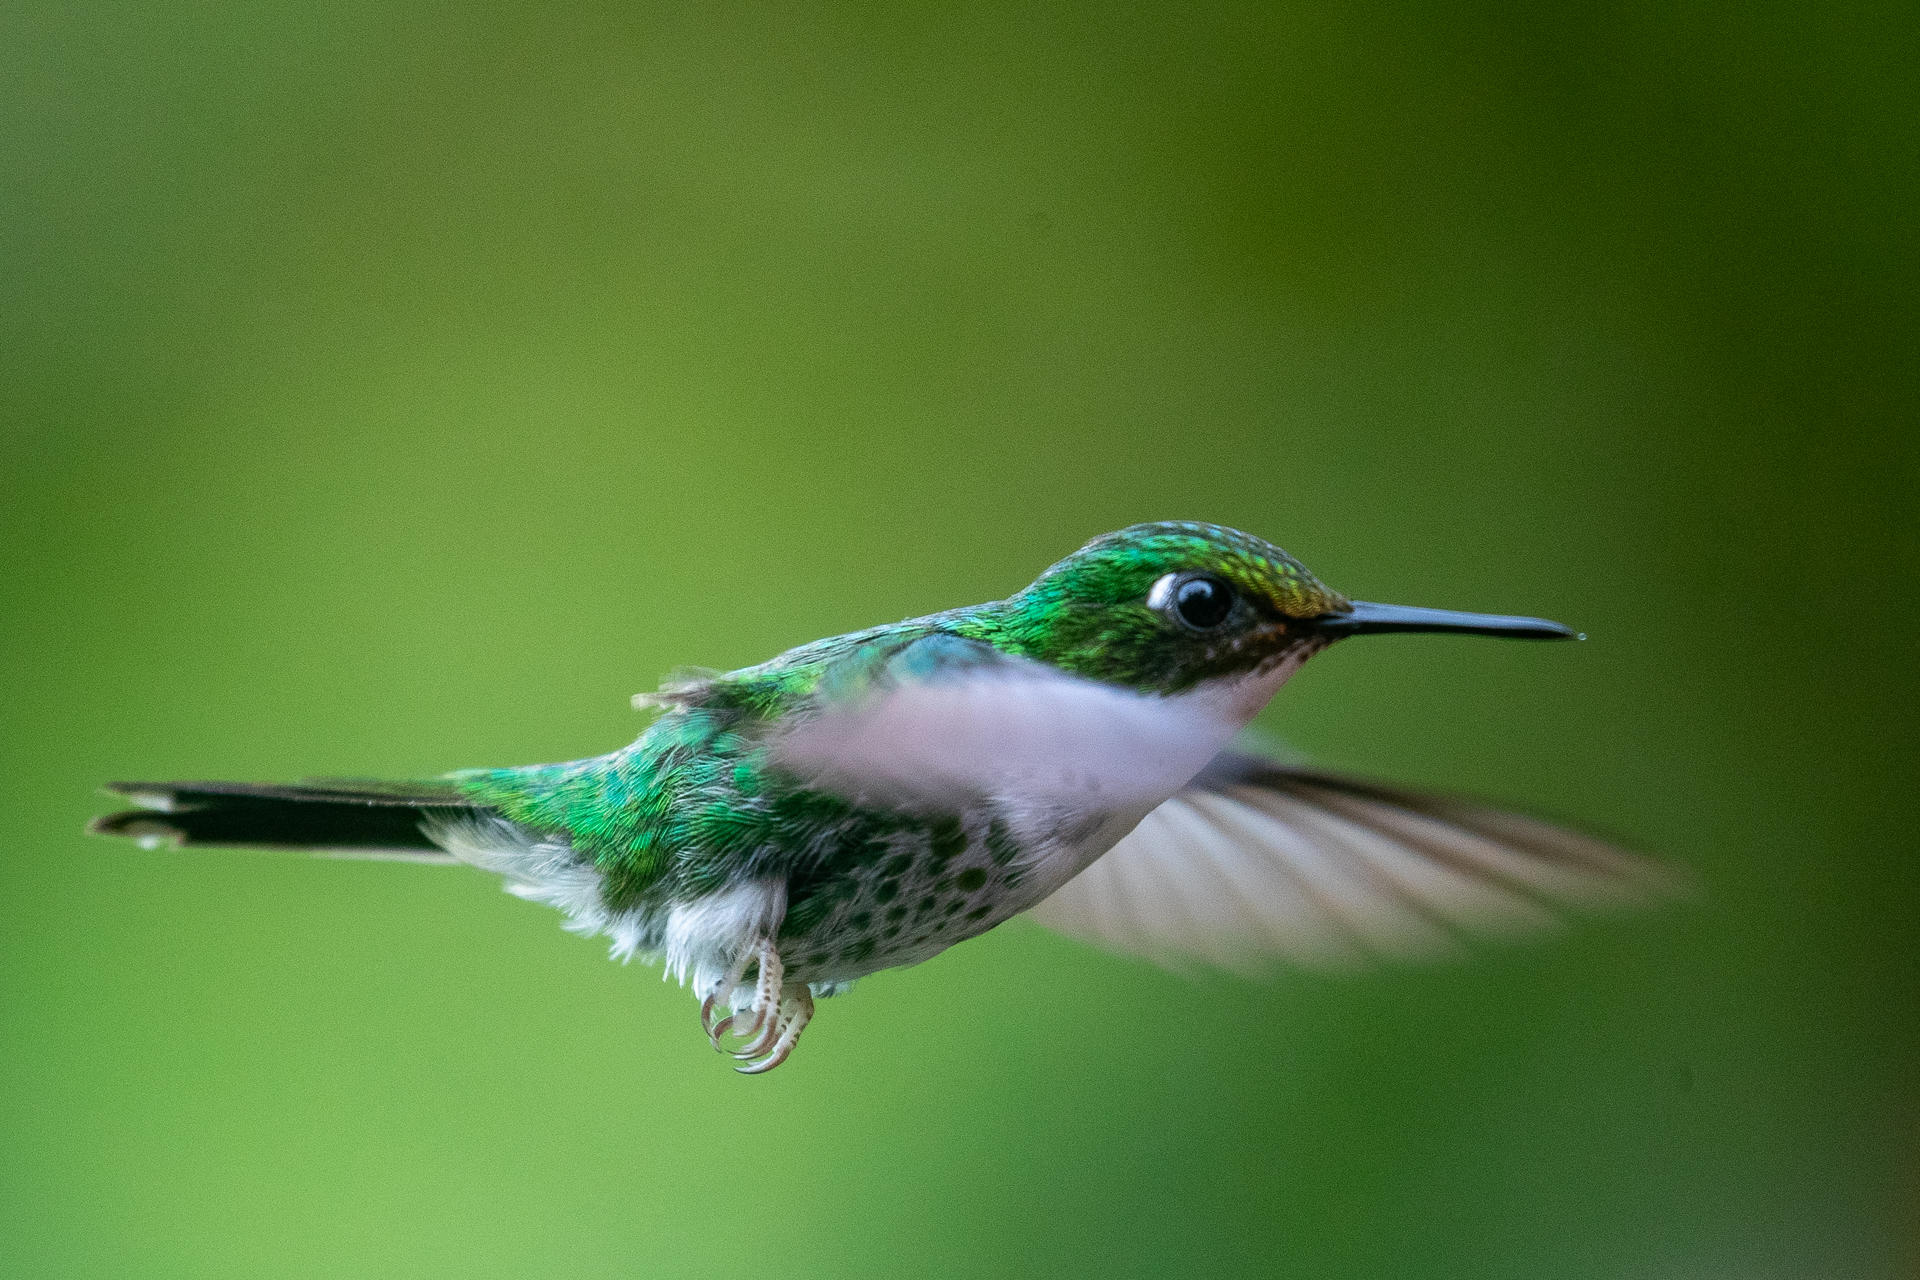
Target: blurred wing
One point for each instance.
(1255, 861)
(945, 720)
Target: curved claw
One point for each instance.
(790, 1028)
(726, 1026)
(718, 1031)
(768, 1063)
(724, 987)
(768, 1028)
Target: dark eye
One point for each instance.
(1203, 603)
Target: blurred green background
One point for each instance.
(394, 387)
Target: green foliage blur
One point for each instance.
(388, 388)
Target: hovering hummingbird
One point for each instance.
(866, 801)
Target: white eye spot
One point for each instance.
(1160, 595)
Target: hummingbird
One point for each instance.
(866, 801)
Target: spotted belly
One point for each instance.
(928, 888)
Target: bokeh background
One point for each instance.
(393, 387)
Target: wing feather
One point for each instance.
(1233, 916)
(1256, 861)
(1437, 888)
(1347, 887)
(1294, 920)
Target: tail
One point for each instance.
(342, 819)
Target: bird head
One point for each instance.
(1163, 607)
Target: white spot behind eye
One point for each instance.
(1160, 595)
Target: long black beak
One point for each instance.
(1365, 618)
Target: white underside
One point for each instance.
(697, 941)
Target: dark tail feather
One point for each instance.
(348, 819)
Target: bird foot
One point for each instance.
(794, 1012)
(768, 1027)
